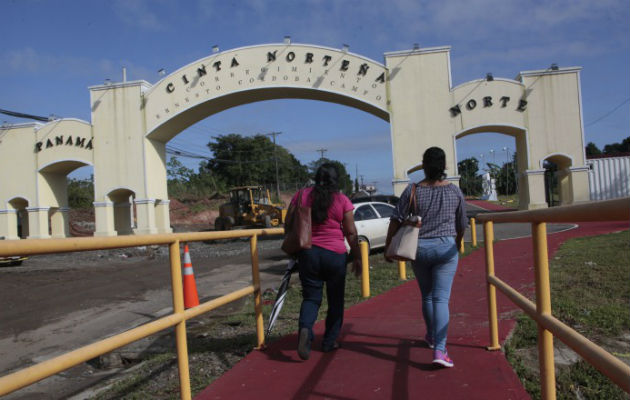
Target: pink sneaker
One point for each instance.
(429, 341)
(442, 358)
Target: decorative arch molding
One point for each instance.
(185, 118)
(18, 197)
(520, 133)
(65, 166)
(510, 130)
(481, 81)
(557, 155)
(117, 191)
(263, 72)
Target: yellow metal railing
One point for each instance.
(178, 318)
(28, 376)
(548, 325)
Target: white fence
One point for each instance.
(609, 178)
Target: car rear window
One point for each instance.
(364, 212)
(384, 210)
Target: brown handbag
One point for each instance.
(297, 228)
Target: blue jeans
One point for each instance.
(318, 266)
(435, 266)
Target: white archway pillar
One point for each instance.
(162, 219)
(104, 218)
(38, 222)
(578, 184)
(145, 214)
(8, 224)
(60, 222)
(534, 195)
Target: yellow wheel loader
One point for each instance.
(249, 206)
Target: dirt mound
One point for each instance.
(185, 215)
(201, 212)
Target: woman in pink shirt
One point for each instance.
(325, 261)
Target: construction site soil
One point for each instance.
(59, 302)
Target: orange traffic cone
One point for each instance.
(191, 299)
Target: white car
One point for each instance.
(372, 220)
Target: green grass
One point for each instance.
(590, 291)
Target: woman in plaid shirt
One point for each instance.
(442, 207)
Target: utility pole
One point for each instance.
(275, 157)
(321, 152)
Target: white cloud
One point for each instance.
(137, 13)
(31, 62)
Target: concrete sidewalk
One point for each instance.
(382, 354)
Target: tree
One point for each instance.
(176, 171)
(184, 182)
(506, 178)
(592, 150)
(469, 181)
(618, 148)
(81, 193)
(240, 160)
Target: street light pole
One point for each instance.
(507, 175)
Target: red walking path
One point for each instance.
(382, 355)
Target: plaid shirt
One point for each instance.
(442, 208)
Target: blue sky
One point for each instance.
(52, 51)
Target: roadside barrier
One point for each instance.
(365, 272)
(27, 376)
(402, 270)
(191, 298)
(548, 325)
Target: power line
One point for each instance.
(608, 113)
(189, 154)
(27, 116)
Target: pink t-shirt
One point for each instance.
(328, 234)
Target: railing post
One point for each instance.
(402, 271)
(260, 329)
(493, 324)
(543, 306)
(180, 328)
(473, 231)
(365, 273)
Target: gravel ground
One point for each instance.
(60, 286)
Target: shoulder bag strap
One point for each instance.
(415, 202)
(412, 201)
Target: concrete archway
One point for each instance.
(133, 121)
(522, 151)
(558, 178)
(36, 159)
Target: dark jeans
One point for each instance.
(318, 266)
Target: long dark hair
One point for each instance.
(326, 185)
(434, 164)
